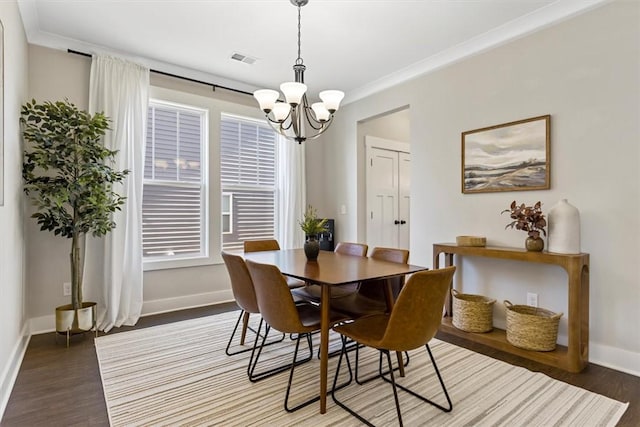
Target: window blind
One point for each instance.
(173, 205)
(248, 172)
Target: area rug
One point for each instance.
(179, 375)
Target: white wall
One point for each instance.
(585, 72)
(13, 332)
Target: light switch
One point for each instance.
(343, 209)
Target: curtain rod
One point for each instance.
(213, 85)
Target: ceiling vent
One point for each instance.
(243, 58)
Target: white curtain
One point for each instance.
(119, 89)
(292, 193)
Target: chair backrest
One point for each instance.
(355, 249)
(375, 289)
(417, 313)
(261, 245)
(274, 297)
(241, 283)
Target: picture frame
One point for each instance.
(513, 156)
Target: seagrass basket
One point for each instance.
(472, 313)
(532, 328)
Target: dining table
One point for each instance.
(329, 270)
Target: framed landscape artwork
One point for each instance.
(508, 157)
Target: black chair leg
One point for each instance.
(244, 350)
(316, 398)
(344, 353)
(255, 356)
(380, 371)
(449, 406)
(393, 385)
(389, 380)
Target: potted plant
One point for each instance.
(67, 175)
(529, 219)
(312, 226)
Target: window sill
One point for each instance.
(165, 264)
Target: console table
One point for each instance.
(575, 356)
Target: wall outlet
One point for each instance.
(66, 289)
(532, 299)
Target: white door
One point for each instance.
(404, 199)
(388, 195)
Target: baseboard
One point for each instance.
(615, 358)
(10, 372)
(45, 324)
(185, 302)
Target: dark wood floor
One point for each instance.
(59, 386)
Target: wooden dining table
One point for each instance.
(330, 269)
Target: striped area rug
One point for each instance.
(179, 375)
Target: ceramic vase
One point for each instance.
(312, 248)
(534, 244)
(564, 228)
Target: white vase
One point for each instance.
(564, 228)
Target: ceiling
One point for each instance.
(357, 46)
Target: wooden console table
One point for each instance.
(574, 357)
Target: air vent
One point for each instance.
(243, 58)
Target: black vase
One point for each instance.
(312, 248)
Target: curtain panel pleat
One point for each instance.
(292, 192)
(119, 89)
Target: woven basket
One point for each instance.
(532, 328)
(472, 313)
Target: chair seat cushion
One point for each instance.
(294, 283)
(367, 330)
(310, 318)
(357, 305)
(313, 292)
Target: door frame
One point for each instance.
(383, 144)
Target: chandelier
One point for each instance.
(294, 119)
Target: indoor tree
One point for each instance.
(68, 175)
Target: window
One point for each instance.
(174, 205)
(248, 179)
(227, 214)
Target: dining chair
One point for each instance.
(412, 323)
(283, 314)
(270, 245)
(371, 295)
(312, 293)
(245, 296)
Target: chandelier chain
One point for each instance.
(295, 119)
(299, 60)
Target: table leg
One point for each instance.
(324, 345)
(245, 325)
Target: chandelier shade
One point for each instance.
(295, 119)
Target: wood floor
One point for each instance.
(59, 386)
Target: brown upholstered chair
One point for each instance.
(370, 297)
(270, 245)
(261, 245)
(412, 323)
(312, 292)
(245, 296)
(348, 248)
(283, 314)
